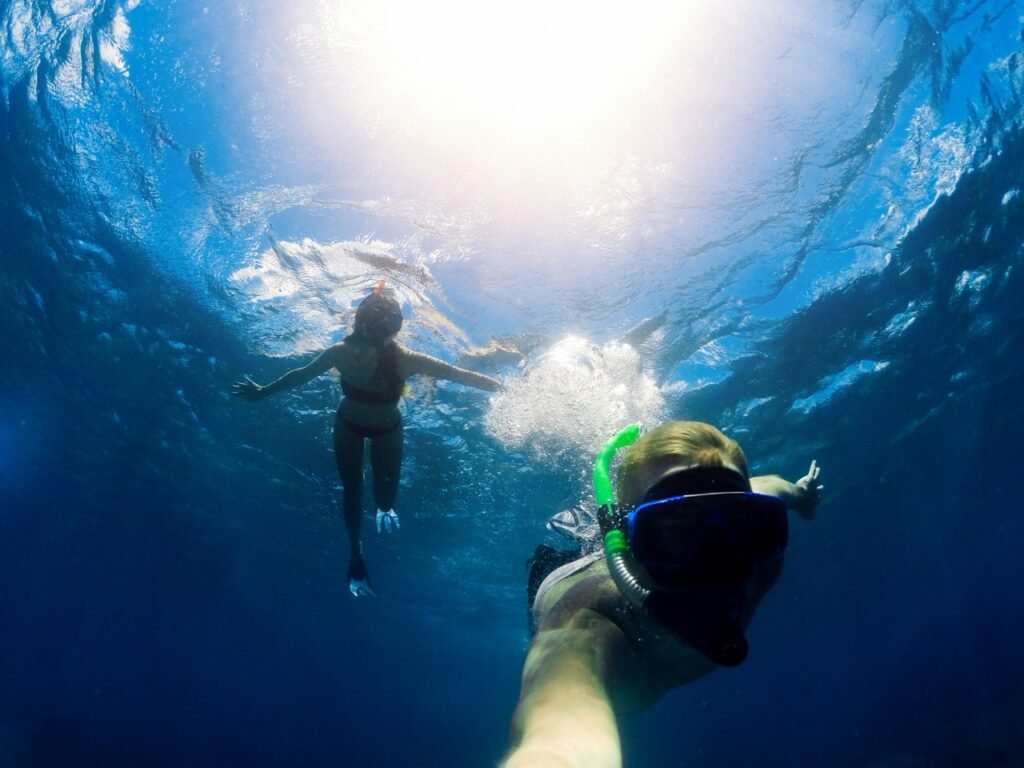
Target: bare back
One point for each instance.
(360, 366)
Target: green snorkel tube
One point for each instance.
(616, 548)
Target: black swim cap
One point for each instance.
(378, 316)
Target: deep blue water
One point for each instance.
(817, 209)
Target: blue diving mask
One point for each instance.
(702, 526)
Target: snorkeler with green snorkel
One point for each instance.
(689, 550)
(373, 368)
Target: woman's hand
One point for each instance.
(807, 492)
(248, 389)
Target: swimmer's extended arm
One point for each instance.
(802, 496)
(564, 718)
(250, 390)
(416, 363)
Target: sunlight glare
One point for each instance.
(526, 76)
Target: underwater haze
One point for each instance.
(800, 221)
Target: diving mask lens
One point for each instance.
(666, 534)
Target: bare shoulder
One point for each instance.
(589, 590)
(644, 659)
(329, 357)
(347, 354)
(404, 353)
(411, 362)
(588, 629)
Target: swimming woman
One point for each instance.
(373, 368)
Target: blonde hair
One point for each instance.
(685, 442)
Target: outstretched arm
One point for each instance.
(414, 363)
(564, 718)
(250, 390)
(802, 496)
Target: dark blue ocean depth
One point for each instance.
(172, 562)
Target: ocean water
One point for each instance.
(800, 221)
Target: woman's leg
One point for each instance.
(386, 460)
(348, 453)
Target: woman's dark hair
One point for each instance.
(378, 316)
